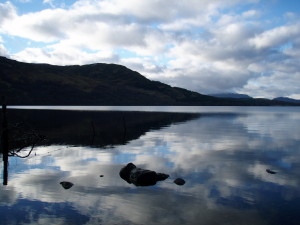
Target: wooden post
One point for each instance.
(93, 132)
(4, 142)
(124, 130)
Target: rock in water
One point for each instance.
(66, 184)
(140, 177)
(179, 181)
(161, 176)
(126, 171)
(270, 171)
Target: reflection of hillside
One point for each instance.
(94, 128)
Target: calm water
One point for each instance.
(221, 152)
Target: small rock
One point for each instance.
(179, 181)
(66, 184)
(101, 175)
(270, 171)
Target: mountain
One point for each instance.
(230, 95)
(97, 84)
(285, 99)
(94, 84)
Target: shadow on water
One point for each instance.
(31, 128)
(95, 129)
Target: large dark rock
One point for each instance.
(141, 177)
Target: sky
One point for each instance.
(208, 46)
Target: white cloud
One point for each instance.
(276, 37)
(7, 12)
(48, 1)
(274, 84)
(3, 51)
(40, 26)
(65, 55)
(25, 1)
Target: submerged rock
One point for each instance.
(66, 184)
(140, 177)
(179, 181)
(270, 171)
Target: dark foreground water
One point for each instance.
(223, 154)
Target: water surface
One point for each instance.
(221, 152)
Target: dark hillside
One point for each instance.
(97, 84)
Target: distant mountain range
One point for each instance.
(285, 99)
(230, 95)
(98, 84)
(243, 96)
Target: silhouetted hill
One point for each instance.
(96, 84)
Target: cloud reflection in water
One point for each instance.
(222, 157)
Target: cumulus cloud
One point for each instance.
(7, 12)
(206, 46)
(276, 37)
(66, 55)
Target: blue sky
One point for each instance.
(209, 46)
